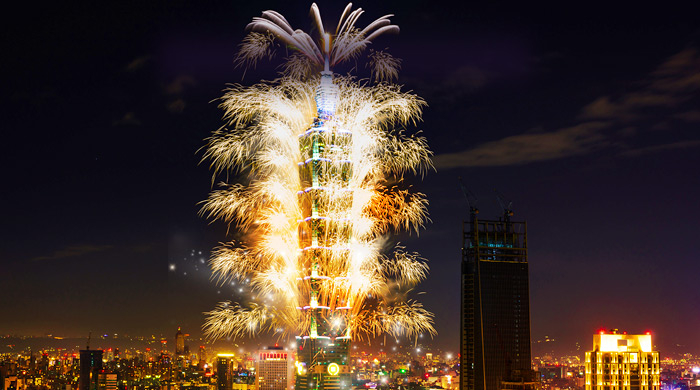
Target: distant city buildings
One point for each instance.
(107, 381)
(622, 362)
(179, 343)
(202, 354)
(140, 365)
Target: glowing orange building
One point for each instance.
(622, 362)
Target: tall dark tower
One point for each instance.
(179, 343)
(495, 311)
(90, 366)
(224, 376)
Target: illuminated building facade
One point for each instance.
(495, 310)
(622, 362)
(224, 374)
(179, 343)
(107, 381)
(274, 369)
(90, 367)
(322, 354)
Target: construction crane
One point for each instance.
(471, 200)
(506, 206)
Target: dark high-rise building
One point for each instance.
(179, 343)
(495, 312)
(202, 355)
(224, 374)
(90, 366)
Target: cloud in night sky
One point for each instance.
(72, 251)
(175, 89)
(137, 63)
(177, 106)
(526, 148)
(179, 84)
(661, 148)
(689, 116)
(129, 119)
(673, 83)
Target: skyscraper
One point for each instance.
(202, 355)
(224, 375)
(495, 311)
(179, 343)
(622, 362)
(274, 369)
(322, 353)
(90, 366)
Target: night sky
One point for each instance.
(586, 117)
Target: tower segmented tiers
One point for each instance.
(322, 353)
(323, 157)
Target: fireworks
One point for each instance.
(320, 153)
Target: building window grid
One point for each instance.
(608, 373)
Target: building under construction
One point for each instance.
(495, 311)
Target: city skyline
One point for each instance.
(617, 360)
(587, 122)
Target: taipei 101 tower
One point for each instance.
(322, 355)
(324, 158)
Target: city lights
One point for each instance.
(287, 207)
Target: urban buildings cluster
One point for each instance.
(616, 361)
(495, 350)
(271, 368)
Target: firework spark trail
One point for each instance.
(320, 153)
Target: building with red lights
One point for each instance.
(622, 362)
